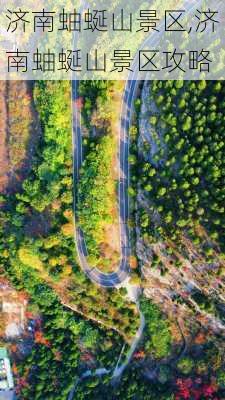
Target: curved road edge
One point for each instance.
(115, 278)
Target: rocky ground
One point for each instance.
(176, 290)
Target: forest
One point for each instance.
(187, 162)
(97, 187)
(179, 172)
(38, 256)
(95, 193)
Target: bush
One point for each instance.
(185, 365)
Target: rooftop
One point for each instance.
(6, 378)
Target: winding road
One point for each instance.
(96, 276)
(115, 278)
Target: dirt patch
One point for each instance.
(112, 237)
(110, 248)
(38, 224)
(4, 162)
(19, 133)
(12, 311)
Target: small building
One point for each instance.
(6, 377)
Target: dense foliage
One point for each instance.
(91, 92)
(95, 192)
(157, 331)
(38, 254)
(186, 164)
(40, 220)
(182, 173)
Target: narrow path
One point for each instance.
(113, 279)
(118, 370)
(87, 374)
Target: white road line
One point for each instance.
(109, 280)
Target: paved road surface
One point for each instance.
(115, 278)
(112, 279)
